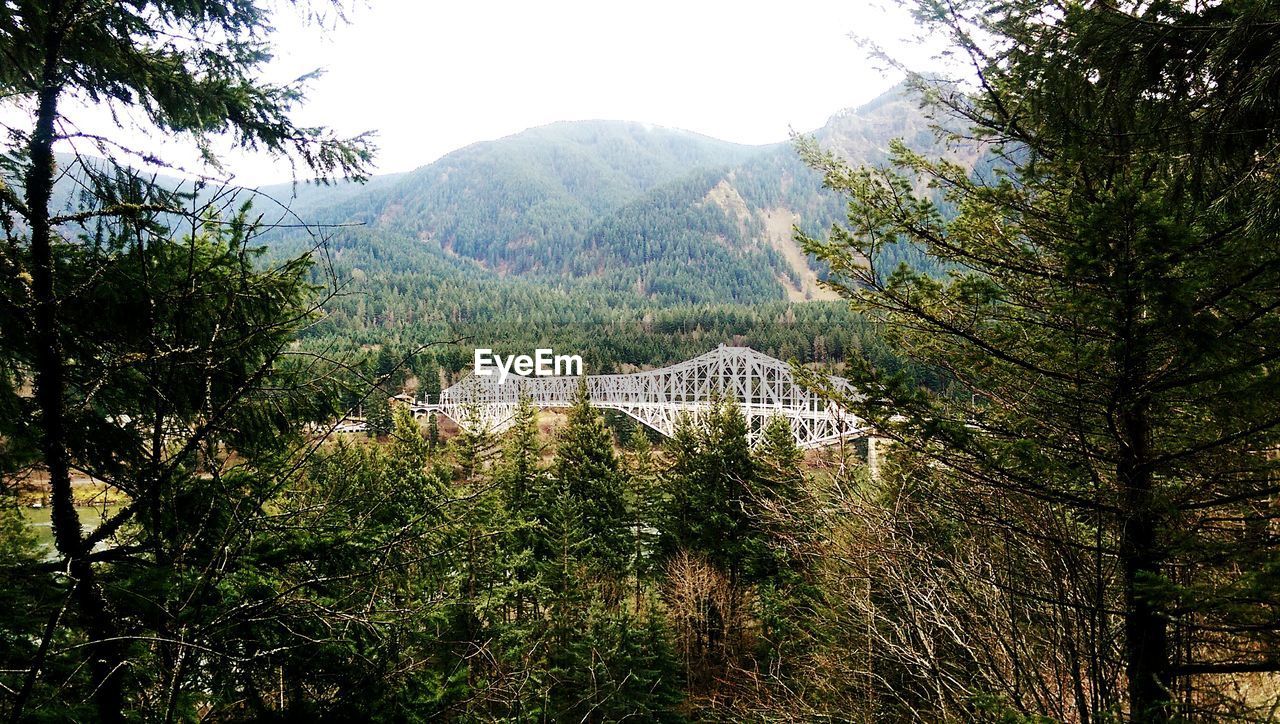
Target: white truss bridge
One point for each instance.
(763, 387)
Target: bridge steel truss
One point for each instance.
(763, 387)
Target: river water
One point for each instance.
(39, 520)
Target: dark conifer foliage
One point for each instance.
(1111, 319)
(588, 471)
(709, 484)
(129, 333)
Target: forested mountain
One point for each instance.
(658, 215)
(641, 215)
(738, 221)
(494, 200)
(632, 244)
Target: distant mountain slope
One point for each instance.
(657, 214)
(727, 233)
(735, 224)
(503, 202)
(633, 242)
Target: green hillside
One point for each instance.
(660, 216)
(509, 202)
(631, 244)
(583, 234)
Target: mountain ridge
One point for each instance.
(662, 216)
(669, 215)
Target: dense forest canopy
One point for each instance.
(1108, 484)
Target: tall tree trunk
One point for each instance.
(1146, 629)
(51, 388)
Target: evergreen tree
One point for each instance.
(376, 518)
(385, 365)
(520, 471)
(433, 433)
(189, 70)
(589, 473)
(472, 449)
(644, 505)
(479, 566)
(779, 460)
(1101, 465)
(781, 501)
(617, 666)
(709, 484)
(784, 511)
(430, 378)
(189, 437)
(378, 418)
(25, 598)
(602, 663)
(526, 493)
(570, 584)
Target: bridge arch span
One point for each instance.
(764, 387)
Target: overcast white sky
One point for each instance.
(430, 77)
